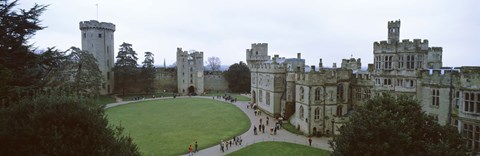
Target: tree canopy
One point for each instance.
(213, 63)
(148, 73)
(389, 126)
(126, 66)
(56, 123)
(19, 66)
(238, 77)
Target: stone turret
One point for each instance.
(97, 38)
(393, 31)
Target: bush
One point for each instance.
(59, 124)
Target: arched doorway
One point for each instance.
(254, 97)
(191, 90)
(314, 131)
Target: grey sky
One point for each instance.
(331, 30)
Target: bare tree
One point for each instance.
(213, 63)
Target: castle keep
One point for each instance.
(190, 79)
(319, 100)
(97, 38)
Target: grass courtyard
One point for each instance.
(169, 126)
(279, 149)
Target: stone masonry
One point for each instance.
(97, 38)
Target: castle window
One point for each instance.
(409, 84)
(300, 112)
(302, 93)
(340, 93)
(317, 114)
(467, 107)
(108, 75)
(400, 82)
(267, 98)
(367, 93)
(358, 92)
(388, 62)
(472, 134)
(387, 82)
(318, 92)
(377, 62)
(410, 61)
(84, 35)
(99, 35)
(435, 97)
(339, 110)
(256, 52)
(400, 61)
(419, 61)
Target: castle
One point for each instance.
(190, 79)
(97, 38)
(318, 100)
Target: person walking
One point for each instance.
(263, 128)
(221, 146)
(196, 147)
(254, 130)
(190, 150)
(310, 141)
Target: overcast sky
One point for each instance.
(332, 30)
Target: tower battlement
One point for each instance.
(404, 44)
(395, 23)
(94, 24)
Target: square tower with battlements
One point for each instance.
(190, 78)
(97, 38)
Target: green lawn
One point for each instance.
(279, 149)
(169, 126)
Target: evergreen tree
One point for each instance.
(148, 73)
(389, 126)
(238, 77)
(19, 66)
(126, 66)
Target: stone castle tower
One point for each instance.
(393, 31)
(190, 79)
(97, 38)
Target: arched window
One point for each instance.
(317, 113)
(339, 110)
(302, 93)
(301, 112)
(318, 93)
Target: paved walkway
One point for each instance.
(248, 137)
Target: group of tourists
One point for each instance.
(234, 141)
(226, 98)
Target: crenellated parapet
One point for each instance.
(93, 24)
(405, 46)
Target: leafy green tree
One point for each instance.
(238, 77)
(126, 66)
(148, 73)
(85, 72)
(389, 126)
(19, 66)
(56, 123)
